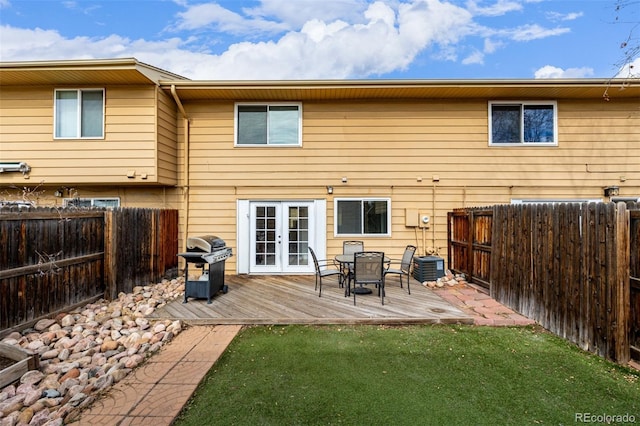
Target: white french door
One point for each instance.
(280, 234)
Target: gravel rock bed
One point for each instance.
(85, 351)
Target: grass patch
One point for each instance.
(375, 375)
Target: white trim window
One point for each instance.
(523, 123)
(79, 114)
(92, 202)
(275, 124)
(362, 217)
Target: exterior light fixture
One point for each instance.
(329, 189)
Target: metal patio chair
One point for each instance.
(324, 268)
(402, 266)
(350, 247)
(368, 268)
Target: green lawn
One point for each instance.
(413, 375)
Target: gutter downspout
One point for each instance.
(185, 183)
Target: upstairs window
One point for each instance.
(363, 217)
(523, 123)
(268, 125)
(79, 114)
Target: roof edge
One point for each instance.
(194, 84)
(153, 73)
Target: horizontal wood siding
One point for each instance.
(167, 139)
(26, 129)
(397, 149)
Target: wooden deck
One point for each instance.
(293, 300)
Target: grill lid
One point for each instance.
(205, 243)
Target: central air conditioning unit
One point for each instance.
(428, 268)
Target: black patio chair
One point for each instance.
(402, 266)
(368, 268)
(350, 247)
(325, 268)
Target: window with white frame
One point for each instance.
(523, 123)
(275, 124)
(92, 202)
(362, 216)
(79, 113)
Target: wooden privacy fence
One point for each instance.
(469, 248)
(141, 245)
(634, 267)
(54, 259)
(567, 266)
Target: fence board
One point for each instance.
(634, 283)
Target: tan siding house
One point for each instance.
(274, 167)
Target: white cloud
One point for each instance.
(501, 7)
(556, 16)
(490, 46)
(475, 58)
(549, 71)
(298, 12)
(630, 70)
(23, 45)
(306, 38)
(382, 40)
(535, 31)
(213, 15)
(332, 41)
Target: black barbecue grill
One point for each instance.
(208, 253)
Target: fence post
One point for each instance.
(470, 237)
(622, 295)
(109, 255)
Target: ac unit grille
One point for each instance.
(428, 268)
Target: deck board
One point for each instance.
(291, 299)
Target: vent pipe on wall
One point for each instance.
(15, 166)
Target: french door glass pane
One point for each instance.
(265, 236)
(66, 114)
(252, 125)
(298, 233)
(91, 113)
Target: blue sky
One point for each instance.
(329, 39)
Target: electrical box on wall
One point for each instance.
(424, 220)
(410, 218)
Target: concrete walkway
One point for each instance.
(155, 392)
